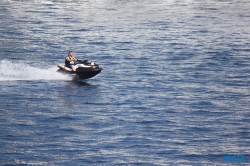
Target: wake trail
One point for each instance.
(22, 71)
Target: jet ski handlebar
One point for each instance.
(83, 61)
(86, 62)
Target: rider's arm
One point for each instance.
(67, 59)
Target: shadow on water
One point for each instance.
(84, 83)
(76, 88)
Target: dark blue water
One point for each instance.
(174, 89)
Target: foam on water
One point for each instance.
(21, 71)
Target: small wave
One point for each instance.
(22, 71)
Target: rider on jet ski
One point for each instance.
(70, 61)
(81, 69)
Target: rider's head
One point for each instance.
(70, 53)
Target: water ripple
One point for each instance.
(174, 89)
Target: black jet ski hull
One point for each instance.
(82, 74)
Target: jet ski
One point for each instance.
(86, 69)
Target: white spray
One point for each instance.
(21, 71)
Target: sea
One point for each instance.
(174, 89)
